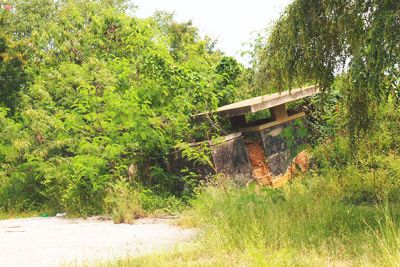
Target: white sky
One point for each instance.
(230, 21)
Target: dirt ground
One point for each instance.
(55, 241)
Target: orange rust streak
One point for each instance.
(261, 172)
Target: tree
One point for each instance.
(315, 40)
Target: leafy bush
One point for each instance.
(333, 154)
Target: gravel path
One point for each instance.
(55, 241)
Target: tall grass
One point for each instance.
(310, 222)
(295, 228)
(388, 239)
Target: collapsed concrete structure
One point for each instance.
(263, 149)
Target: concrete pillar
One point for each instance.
(279, 113)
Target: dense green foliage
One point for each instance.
(11, 73)
(90, 96)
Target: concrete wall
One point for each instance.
(229, 155)
(230, 158)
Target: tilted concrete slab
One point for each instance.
(259, 103)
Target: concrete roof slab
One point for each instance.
(259, 103)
